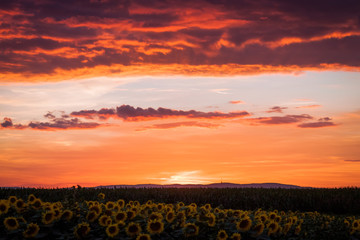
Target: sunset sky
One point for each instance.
(103, 92)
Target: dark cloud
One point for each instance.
(352, 160)
(7, 123)
(39, 37)
(281, 119)
(317, 125)
(325, 119)
(50, 115)
(130, 113)
(61, 123)
(276, 109)
(53, 124)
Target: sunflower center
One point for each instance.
(156, 226)
(2, 207)
(243, 224)
(48, 216)
(31, 230)
(112, 229)
(133, 229)
(11, 222)
(82, 230)
(120, 216)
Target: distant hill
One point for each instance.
(212, 185)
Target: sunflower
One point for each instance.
(130, 214)
(211, 219)
(121, 203)
(4, 206)
(101, 196)
(31, 198)
(222, 235)
(105, 220)
(244, 224)
(170, 216)
(11, 223)
(20, 205)
(297, 229)
(272, 216)
(207, 206)
(108, 212)
(110, 205)
(272, 227)
(48, 217)
(12, 200)
(21, 220)
(286, 228)
(67, 215)
(155, 227)
(133, 229)
(91, 216)
(160, 207)
(120, 216)
(57, 213)
(47, 207)
(81, 230)
(112, 230)
(37, 203)
(258, 229)
(143, 236)
(181, 215)
(155, 216)
(235, 236)
(95, 208)
(179, 205)
(149, 202)
(347, 223)
(356, 224)
(190, 229)
(277, 219)
(193, 205)
(31, 230)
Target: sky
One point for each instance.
(135, 92)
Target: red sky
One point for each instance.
(125, 92)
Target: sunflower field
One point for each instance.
(101, 218)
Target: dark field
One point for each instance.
(331, 201)
(175, 214)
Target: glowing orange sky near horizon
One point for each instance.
(113, 92)
(181, 149)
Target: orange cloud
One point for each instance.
(310, 106)
(236, 102)
(192, 38)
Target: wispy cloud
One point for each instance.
(276, 109)
(310, 106)
(130, 113)
(237, 102)
(277, 120)
(180, 124)
(322, 122)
